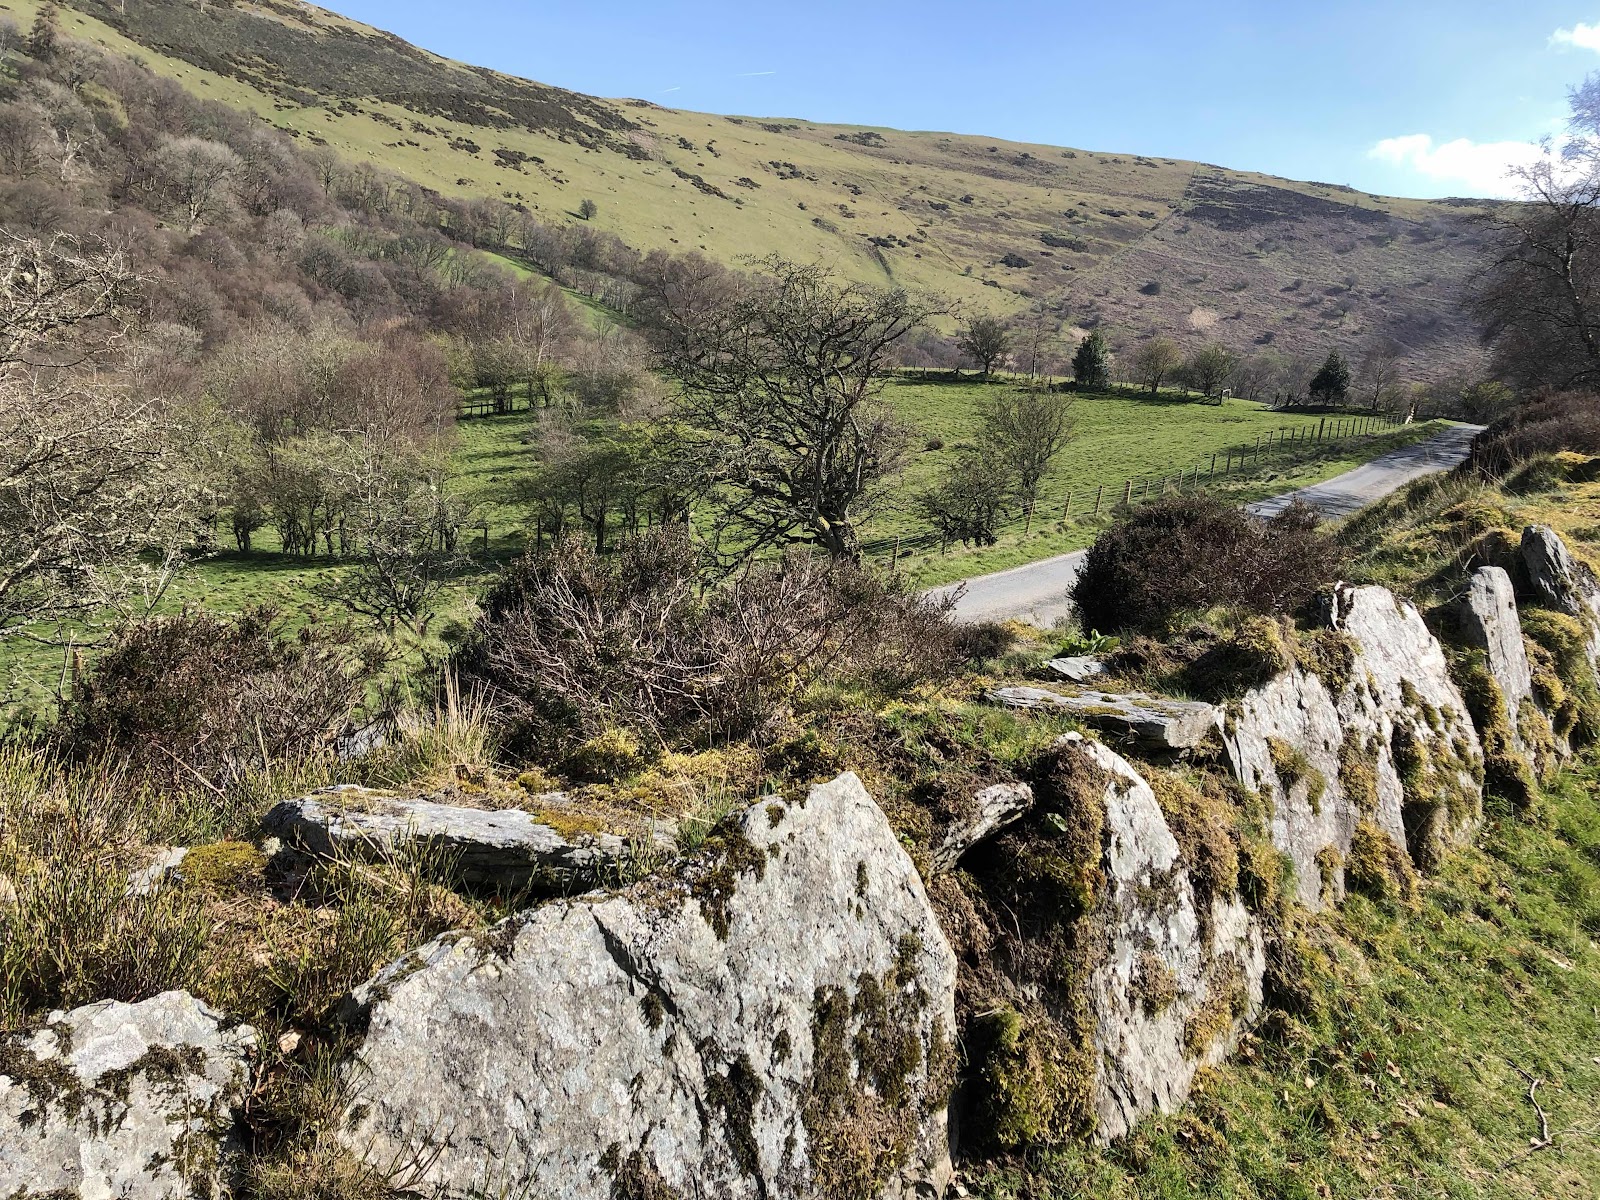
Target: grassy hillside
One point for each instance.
(1130, 243)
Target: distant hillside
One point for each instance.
(1129, 243)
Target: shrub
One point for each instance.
(1187, 553)
(1548, 424)
(573, 645)
(216, 697)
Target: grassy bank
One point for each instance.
(1405, 1078)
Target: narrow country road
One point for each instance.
(1037, 592)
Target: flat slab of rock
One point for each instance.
(489, 847)
(131, 1101)
(769, 1024)
(993, 809)
(1151, 722)
(1079, 669)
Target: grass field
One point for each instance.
(1118, 437)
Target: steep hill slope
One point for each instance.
(1129, 243)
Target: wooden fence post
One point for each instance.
(1127, 494)
(1066, 512)
(1097, 498)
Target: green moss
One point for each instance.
(1227, 1000)
(1154, 985)
(1358, 772)
(1033, 1082)
(859, 1109)
(735, 1095)
(633, 1177)
(1204, 821)
(1507, 770)
(224, 868)
(654, 1009)
(573, 826)
(1266, 876)
(1564, 678)
(1330, 864)
(714, 878)
(1330, 655)
(1377, 868)
(1294, 768)
(606, 757)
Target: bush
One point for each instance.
(1547, 424)
(217, 697)
(573, 646)
(1184, 554)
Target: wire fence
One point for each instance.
(1093, 499)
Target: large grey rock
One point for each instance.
(992, 810)
(1403, 711)
(1562, 582)
(492, 847)
(123, 1102)
(1153, 1034)
(780, 1015)
(1284, 740)
(1151, 723)
(1489, 621)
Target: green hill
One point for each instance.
(1121, 241)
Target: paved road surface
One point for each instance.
(1037, 592)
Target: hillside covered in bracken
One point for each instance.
(1133, 245)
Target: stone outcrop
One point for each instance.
(775, 1018)
(1151, 723)
(506, 847)
(1489, 621)
(1562, 582)
(124, 1101)
(1404, 716)
(1180, 972)
(1286, 740)
(992, 810)
(1384, 742)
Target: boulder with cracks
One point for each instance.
(132, 1101)
(1180, 973)
(774, 1020)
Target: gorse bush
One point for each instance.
(573, 645)
(1184, 554)
(216, 697)
(1547, 424)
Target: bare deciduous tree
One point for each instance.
(1156, 361)
(779, 384)
(1209, 369)
(1019, 435)
(986, 341)
(194, 173)
(95, 503)
(1540, 298)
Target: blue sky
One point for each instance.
(1407, 97)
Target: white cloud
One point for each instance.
(1579, 37)
(1466, 167)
